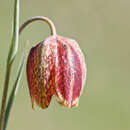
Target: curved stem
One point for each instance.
(41, 18)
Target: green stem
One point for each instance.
(4, 97)
(14, 90)
(11, 57)
(41, 18)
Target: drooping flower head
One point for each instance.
(56, 66)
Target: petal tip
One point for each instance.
(66, 103)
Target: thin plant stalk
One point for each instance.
(8, 69)
(11, 56)
(39, 18)
(15, 88)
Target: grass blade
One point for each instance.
(11, 56)
(14, 90)
(15, 36)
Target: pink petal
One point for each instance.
(70, 72)
(41, 73)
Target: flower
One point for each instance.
(56, 66)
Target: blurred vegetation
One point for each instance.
(102, 29)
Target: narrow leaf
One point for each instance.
(14, 90)
(15, 36)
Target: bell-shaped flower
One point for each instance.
(56, 66)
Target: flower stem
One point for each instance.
(11, 57)
(41, 18)
(4, 97)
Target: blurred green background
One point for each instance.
(102, 28)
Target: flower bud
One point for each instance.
(57, 67)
